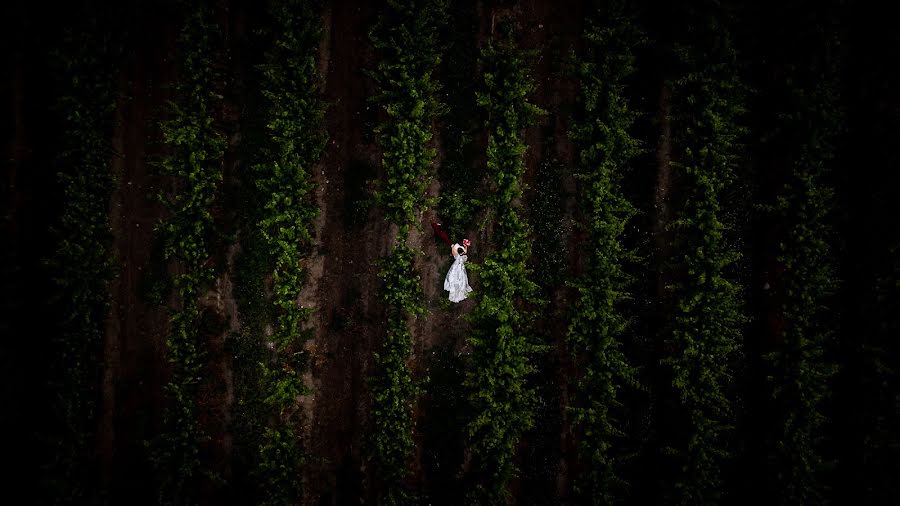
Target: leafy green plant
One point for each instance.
(598, 321)
(502, 400)
(800, 368)
(546, 211)
(280, 458)
(83, 264)
(405, 37)
(460, 126)
(250, 416)
(708, 320)
(393, 389)
(294, 120)
(197, 148)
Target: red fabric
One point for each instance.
(438, 232)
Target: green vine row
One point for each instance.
(394, 391)
(501, 398)
(195, 164)
(800, 368)
(709, 316)
(406, 39)
(598, 322)
(461, 124)
(294, 123)
(83, 263)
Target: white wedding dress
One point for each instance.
(457, 282)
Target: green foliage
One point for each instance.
(393, 389)
(406, 38)
(799, 370)
(249, 414)
(294, 119)
(708, 320)
(457, 202)
(195, 164)
(402, 293)
(546, 214)
(502, 400)
(280, 462)
(598, 322)
(83, 263)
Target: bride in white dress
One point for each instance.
(457, 282)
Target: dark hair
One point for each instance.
(460, 250)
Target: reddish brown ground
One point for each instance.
(348, 314)
(135, 366)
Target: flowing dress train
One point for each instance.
(457, 282)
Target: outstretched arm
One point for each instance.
(453, 251)
(439, 232)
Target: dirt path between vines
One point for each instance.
(348, 316)
(135, 368)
